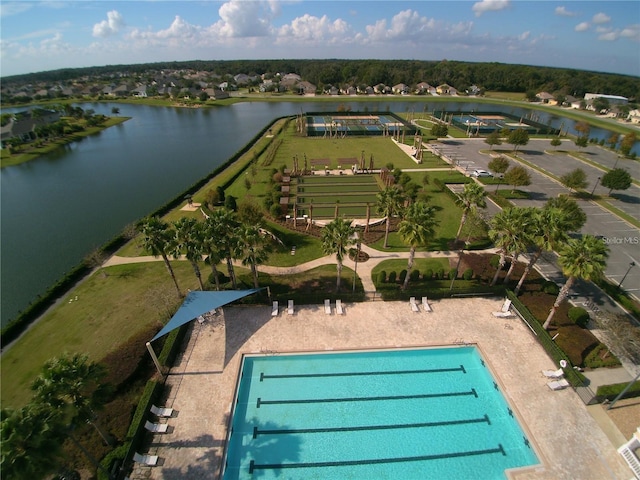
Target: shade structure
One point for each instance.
(197, 303)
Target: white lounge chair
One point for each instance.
(553, 373)
(290, 307)
(156, 427)
(558, 384)
(339, 310)
(327, 306)
(274, 310)
(504, 311)
(414, 305)
(161, 411)
(150, 460)
(425, 304)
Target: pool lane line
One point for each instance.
(444, 423)
(347, 463)
(264, 376)
(261, 402)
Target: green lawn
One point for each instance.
(109, 311)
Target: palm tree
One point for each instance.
(253, 248)
(222, 226)
(336, 237)
(416, 229)
(190, 241)
(159, 240)
(581, 258)
(507, 230)
(30, 441)
(389, 202)
(72, 385)
(470, 199)
(546, 232)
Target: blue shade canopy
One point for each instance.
(197, 303)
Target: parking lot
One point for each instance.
(622, 238)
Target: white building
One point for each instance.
(613, 99)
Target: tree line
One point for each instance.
(489, 76)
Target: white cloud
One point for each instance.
(489, 5)
(524, 35)
(13, 8)
(239, 18)
(601, 18)
(309, 28)
(408, 25)
(563, 12)
(110, 26)
(582, 27)
(632, 32)
(609, 36)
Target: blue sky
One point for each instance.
(592, 35)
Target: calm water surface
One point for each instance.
(58, 208)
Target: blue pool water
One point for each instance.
(393, 414)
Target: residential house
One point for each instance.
(350, 90)
(545, 97)
(381, 88)
(422, 88)
(444, 89)
(306, 88)
(139, 92)
(473, 90)
(216, 93)
(22, 124)
(400, 89)
(634, 116)
(241, 79)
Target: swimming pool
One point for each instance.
(397, 414)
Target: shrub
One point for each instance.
(468, 274)
(440, 273)
(428, 274)
(403, 275)
(453, 273)
(495, 261)
(382, 276)
(550, 287)
(392, 277)
(414, 275)
(601, 357)
(610, 392)
(275, 210)
(579, 316)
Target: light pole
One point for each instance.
(631, 265)
(594, 187)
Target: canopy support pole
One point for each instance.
(155, 359)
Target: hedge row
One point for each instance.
(610, 392)
(116, 461)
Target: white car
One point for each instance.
(481, 173)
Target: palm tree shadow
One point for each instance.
(267, 448)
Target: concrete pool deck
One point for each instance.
(569, 442)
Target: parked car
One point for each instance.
(481, 173)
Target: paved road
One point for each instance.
(623, 239)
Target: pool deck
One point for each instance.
(568, 440)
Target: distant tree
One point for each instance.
(613, 140)
(204, 96)
(115, 111)
(556, 142)
(493, 139)
(575, 180)
(518, 138)
(530, 96)
(582, 142)
(628, 141)
(439, 130)
(583, 129)
(230, 203)
(499, 165)
(517, 176)
(616, 179)
(250, 213)
(600, 104)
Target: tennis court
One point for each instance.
(356, 123)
